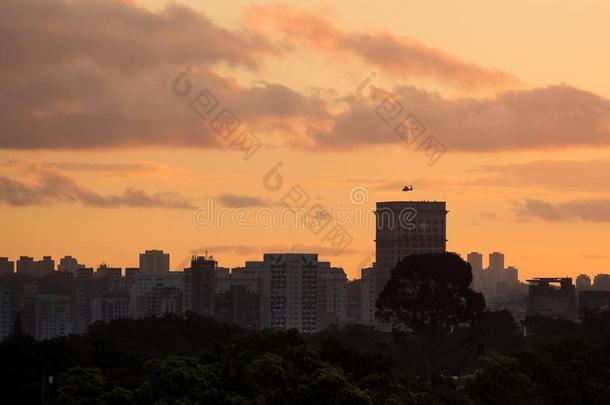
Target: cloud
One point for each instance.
(590, 210)
(570, 175)
(400, 56)
(118, 34)
(241, 201)
(541, 118)
(99, 74)
(51, 188)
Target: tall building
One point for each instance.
(601, 282)
(154, 262)
(290, 292)
(82, 295)
(332, 295)
(154, 295)
(404, 228)
(69, 264)
(202, 278)
(478, 275)
(545, 298)
(27, 265)
(368, 295)
(496, 262)
(6, 266)
(583, 282)
(6, 319)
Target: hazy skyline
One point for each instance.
(101, 160)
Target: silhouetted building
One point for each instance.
(404, 228)
(82, 295)
(28, 266)
(6, 319)
(69, 264)
(332, 296)
(130, 277)
(583, 282)
(238, 306)
(109, 306)
(53, 315)
(202, 277)
(591, 300)
(154, 262)
(602, 282)
(546, 299)
(368, 293)
(6, 266)
(476, 262)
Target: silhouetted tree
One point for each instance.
(430, 294)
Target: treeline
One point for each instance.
(199, 361)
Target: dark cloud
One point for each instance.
(117, 34)
(590, 210)
(241, 201)
(51, 188)
(397, 55)
(549, 117)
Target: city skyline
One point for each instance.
(115, 149)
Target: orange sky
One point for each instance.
(100, 159)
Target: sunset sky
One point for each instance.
(101, 157)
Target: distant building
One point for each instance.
(238, 306)
(602, 282)
(544, 298)
(404, 228)
(475, 259)
(202, 278)
(368, 293)
(6, 266)
(53, 316)
(154, 262)
(591, 300)
(583, 282)
(155, 295)
(110, 306)
(290, 292)
(332, 295)
(69, 264)
(28, 266)
(6, 319)
(82, 296)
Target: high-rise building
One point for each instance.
(544, 298)
(404, 228)
(332, 295)
(496, 262)
(583, 282)
(203, 274)
(238, 306)
(69, 264)
(601, 282)
(82, 295)
(593, 300)
(27, 265)
(290, 292)
(6, 319)
(154, 262)
(6, 266)
(478, 275)
(155, 295)
(368, 295)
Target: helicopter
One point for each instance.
(408, 188)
